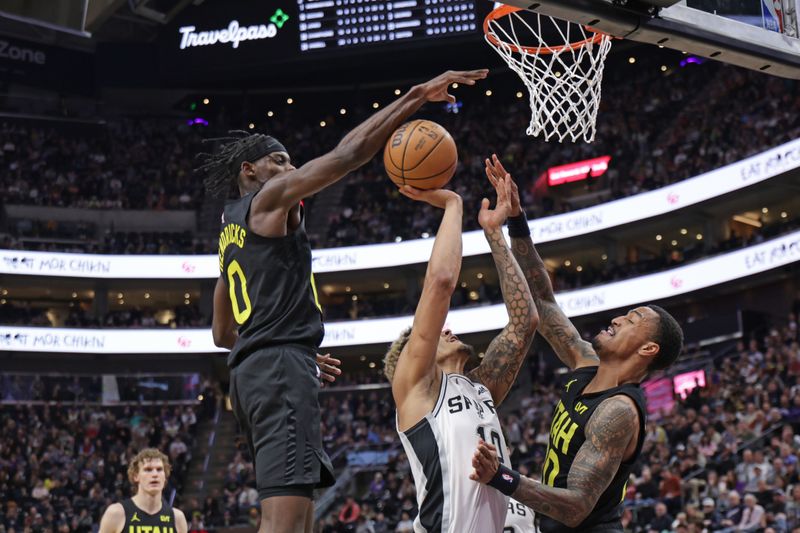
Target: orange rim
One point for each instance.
(506, 10)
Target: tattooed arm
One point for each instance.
(507, 351)
(610, 434)
(554, 325)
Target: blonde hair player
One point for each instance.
(147, 511)
(442, 413)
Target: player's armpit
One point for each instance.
(554, 325)
(223, 326)
(113, 520)
(608, 434)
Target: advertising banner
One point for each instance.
(619, 295)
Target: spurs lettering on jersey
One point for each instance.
(440, 449)
(519, 519)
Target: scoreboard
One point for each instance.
(237, 38)
(342, 24)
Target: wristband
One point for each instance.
(505, 480)
(518, 226)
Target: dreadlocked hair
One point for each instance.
(218, 169)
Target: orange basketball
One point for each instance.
(422, 154)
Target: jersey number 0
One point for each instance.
(240, 312)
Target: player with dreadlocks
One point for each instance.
(265, 302)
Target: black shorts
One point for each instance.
(274, 397)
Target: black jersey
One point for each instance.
(567, 436)
(138, 521)
(270, 284)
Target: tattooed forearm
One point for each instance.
(533, 268)
(609, 432)
(563, 505)
(516, 292)
(553, 323)
(507, 351)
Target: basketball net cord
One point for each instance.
(563, 81)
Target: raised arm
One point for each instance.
(357, 147)
(504, 356)
(610, 431)
(417, 363)
(554, 325)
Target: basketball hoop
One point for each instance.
(563, 80)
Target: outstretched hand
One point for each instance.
(436, 197)
(496, 172)
(484, 463)
(435, 90)
(490, 219)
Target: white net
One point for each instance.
(563, 78)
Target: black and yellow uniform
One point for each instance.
(274, 375)
(567, 436)
(138, 521)
(271, 287)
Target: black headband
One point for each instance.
(259, 146)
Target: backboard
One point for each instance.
(757, 34)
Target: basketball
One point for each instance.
(422, 154)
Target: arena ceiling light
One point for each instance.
(747, 220)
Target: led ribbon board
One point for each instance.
(755, 169)
(693, 277)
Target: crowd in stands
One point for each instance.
(26, 387)
(180, 316)
(62, 465)
(83, 240)
(121, 164)
(703, 116)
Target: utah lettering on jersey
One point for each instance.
(230, 234)
(561, 432)
(151, 529)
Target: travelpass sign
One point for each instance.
(233, 34)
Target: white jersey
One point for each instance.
(520, 519)
(440, 449)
